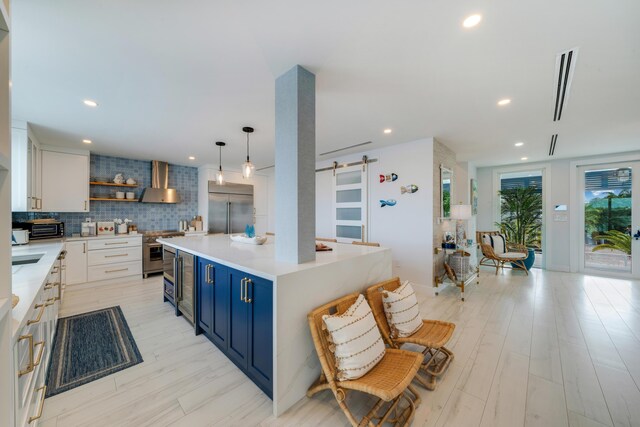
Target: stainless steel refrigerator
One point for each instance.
(230, 207)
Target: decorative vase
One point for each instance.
(529, 260)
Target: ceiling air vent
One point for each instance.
(552, 146)
(565, 65)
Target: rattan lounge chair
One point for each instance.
(514, 256)
(389, 381)
(433, 336)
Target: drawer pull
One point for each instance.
(51, 285)
(30, 365)
(116, 243)
(115, 271)
(242, 288)
(114, 256)
(39, 316)
(246, 291)
(43, 390)
(40, 352)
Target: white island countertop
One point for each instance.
(28, 279)
(260, 260)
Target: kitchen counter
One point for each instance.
(296, 290)
(28, 279)
(259, 260)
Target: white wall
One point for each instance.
(558, 235)
(406, 228)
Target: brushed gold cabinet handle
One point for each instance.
(116, 243)
(115, 271)
(206, 274)
(30, 366)
(212, 275)
(246, 291)
(39, 316)
(40, 352)
(42, 389)
(242, 288)
(85, 205)
(51, 285)
(115, 256)
(84, 248)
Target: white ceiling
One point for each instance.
(173, 77)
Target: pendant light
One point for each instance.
(247, 167)
(219, 175)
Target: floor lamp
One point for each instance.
(460, 213)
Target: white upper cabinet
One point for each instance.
(26, 181)
(65, 182)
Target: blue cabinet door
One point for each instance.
(204, 298)
(221, 300)
(260, 330)
(238, 340)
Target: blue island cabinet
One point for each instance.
(235, 311)
(212, 302)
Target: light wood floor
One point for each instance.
(551, 349)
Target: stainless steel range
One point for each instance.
(152, 250)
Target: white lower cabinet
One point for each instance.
(76, 262)
(32, 350)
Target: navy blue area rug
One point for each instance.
(89, 346)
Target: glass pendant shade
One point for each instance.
(247, 169)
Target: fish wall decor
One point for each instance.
(389, 202)
(409, 189)
(388, 178)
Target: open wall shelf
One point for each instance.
(111, 199)
(112, 184)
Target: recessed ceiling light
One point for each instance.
(87, 141)
(471, 21)
(191, 158)
(524, 158)
(504, 102)
(387, 130)
(90, 103)
(519, 144)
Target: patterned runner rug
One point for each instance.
(89, 346)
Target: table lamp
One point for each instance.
(460, 213)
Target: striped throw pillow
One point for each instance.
(355, 340)
(402, 310)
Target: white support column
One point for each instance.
(295, 166)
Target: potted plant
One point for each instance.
(521, 213)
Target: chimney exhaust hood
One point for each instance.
(159, 192)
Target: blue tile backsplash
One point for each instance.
(147, 216)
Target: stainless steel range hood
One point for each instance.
(159, 192)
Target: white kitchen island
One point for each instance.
(297, 289)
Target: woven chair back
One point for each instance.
(319, 333)
(374, 296)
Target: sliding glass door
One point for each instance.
(521, 209)
(610, 218)
(350, 204)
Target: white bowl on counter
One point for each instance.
(242, 238)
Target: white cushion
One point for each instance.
(513, 255)
(499, 244)
(402, 310)
(356, 341)
(486, 240)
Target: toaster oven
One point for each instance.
(42, 230)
